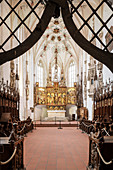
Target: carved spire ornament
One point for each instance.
(27, 83)
(12, 75)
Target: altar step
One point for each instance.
(57, 119)
(55, 125)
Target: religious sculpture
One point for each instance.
(12, 75)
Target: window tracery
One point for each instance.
(71, 74)
(40, 73)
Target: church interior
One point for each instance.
(56, 84)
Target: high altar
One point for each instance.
(55, 98)
(55, 95)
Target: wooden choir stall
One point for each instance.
(100, 130)
(12, 130)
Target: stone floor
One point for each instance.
(51, 148)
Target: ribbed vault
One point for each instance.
(100, 51)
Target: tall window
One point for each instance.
(53, 73)
(40, 71)
(71, 74)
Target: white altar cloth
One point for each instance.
(56, 113)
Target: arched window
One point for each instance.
(40, 71)
(53, 72)
(71, 74)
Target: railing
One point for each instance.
(25, 127)
(13, 154)
(54, 121)
(96, 141)
(86, 128)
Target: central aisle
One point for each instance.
(54, 149)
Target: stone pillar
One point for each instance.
(27, 90)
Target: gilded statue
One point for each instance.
(12, 79)
(56, 98)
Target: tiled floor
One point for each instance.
(56, 149)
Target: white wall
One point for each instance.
(107, 74)
(71, 109)
(40, 112)
(5, 72)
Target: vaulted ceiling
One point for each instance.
(19, 19)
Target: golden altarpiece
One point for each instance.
(55, 95)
